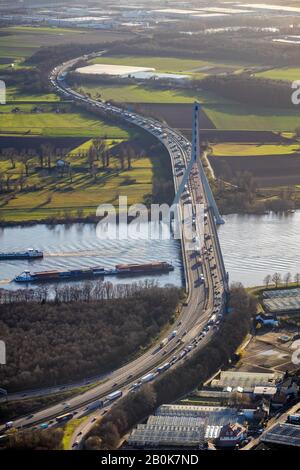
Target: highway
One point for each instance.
(204, 273)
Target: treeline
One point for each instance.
(27, 81)
(243, 195)
(172, 385)
(233, 47)
(36, 439)
(80, 333)
(46, 58)
(250, 90)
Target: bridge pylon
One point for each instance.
(196, 160)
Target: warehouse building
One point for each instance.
(187, 426)
(282, 435)
(282, 301)
(245, 382)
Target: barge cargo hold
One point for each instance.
(159, 266)
(28, 255)
(92, 273)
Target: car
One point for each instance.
(79, 434)
(75, 444)
(93, 420)
(29, 416)
(115, 384)
(129, 376)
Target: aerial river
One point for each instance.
(253, 246)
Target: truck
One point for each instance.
(65, 417)
(164, 342)
(147, 378)
(114, 395)
(164, 367)
(294, 419)
(94, 405)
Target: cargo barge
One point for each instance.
(28, 255)
(92, 273)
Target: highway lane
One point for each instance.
(194, 315)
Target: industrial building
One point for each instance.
(169, 431)
(283, 435)
(282, 301)
(244, 381)
(189, 426)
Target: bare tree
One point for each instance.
(10, 154)
(297, 278)
(287, 279)
(267, 280)
(276, 278)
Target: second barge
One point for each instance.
(91, 273)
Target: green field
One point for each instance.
(55, 196)
(243, 117)
(22, 41)
(52, 124)
(249, 149)
(286, 73)
(167, 64)
(15, 95)
(141, 94)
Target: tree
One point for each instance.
(99, 145)
(10, 154)
(267, 280)
(276, 278)
(287, 279)
(297, 278)
(25, 158)
(47, 151)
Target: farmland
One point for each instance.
(249, 150)
(53, 124)
(170, 64)
(140, 94)
(20, 42)
(285, 73)
(47, 195)
(244, 117)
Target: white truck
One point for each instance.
(114, 395)
(147, 378)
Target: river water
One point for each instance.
(77, 245)
(253, 246)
